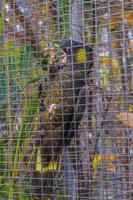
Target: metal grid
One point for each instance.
(66, 99)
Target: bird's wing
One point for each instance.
(77, 115)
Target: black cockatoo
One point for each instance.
(62, 104)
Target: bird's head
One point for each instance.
(76, 52)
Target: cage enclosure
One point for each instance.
(66, 99)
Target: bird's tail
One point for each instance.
(44, 178)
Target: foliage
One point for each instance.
(20, 91)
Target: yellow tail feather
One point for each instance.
(52, 166)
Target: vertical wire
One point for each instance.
(124, 55)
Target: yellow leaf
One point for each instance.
(116, 71)
(114, 45)
(112, 26)
(93, 120)
(96, 160)
(115, 63)
(129, 18)
(104, 60)
(111, 157)
(130, 108)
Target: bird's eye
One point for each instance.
(67, 49)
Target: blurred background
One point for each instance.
(100, 167)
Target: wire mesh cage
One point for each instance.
(66, 99)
